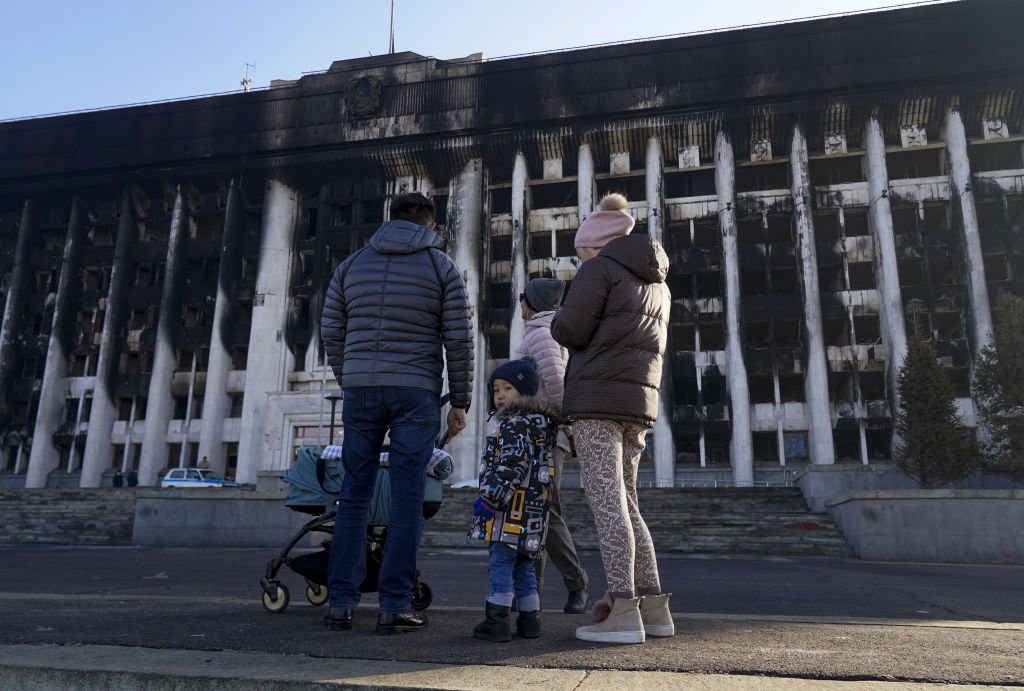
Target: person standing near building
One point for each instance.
(614, 321)
(395, 312)
(538, 303)
(511, 511)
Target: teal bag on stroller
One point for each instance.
(314, 484)
(380, 502)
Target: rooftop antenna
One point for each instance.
(247, 80)
(391, 45)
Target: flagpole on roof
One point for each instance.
(391, 44)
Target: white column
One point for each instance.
(52, 395)
(664, 443)
(741, 450)
(14, 305)
(269, 358)
(894, 330)
(962, 199)
(585, 182)
(216, 401)
(520, 236)
(465, 221)
(98, 449)
(819, 414)
(159, 400)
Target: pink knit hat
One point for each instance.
(609, 222)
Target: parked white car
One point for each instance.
(194, 477)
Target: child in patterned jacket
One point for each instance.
(511, 513)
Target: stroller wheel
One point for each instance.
(421, 596)
(279, 601)
(317, 594)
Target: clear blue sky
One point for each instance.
(65, 55)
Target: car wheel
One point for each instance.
(317, 594)
(277, 602)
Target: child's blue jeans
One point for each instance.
(511, 574)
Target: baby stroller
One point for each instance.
(313, 486)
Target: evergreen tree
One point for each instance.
(999, 391)
(935, 448)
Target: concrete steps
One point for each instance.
(773, 520)
(702, 520)
(67, 516)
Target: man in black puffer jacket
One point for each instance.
(390, 309)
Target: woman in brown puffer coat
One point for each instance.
(614, 321)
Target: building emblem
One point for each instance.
(363, 96)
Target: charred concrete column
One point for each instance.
(98, 448)
(321, 275)
(664, 443)
(466, 224)
(159, 400)
(962, 199)
(741, 447)
(269, 359)
(10, 327)
(894, 330)
(45, 457)
(819, 435)
(520, 236)
(585, 182)
(216, 401)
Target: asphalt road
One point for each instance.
(787, 586)
(800, 617)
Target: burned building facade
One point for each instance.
(826, 191)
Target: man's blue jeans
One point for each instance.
(413, 417)
(509, 572)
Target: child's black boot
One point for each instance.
(528, 624)
(496, 626)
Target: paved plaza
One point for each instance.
(192, 618)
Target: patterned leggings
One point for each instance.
(609, 453)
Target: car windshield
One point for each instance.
(209, 475)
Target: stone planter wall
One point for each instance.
(213, 517)
(967, 526)
(822, 483)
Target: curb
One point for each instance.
(56, 668)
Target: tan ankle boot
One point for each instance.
(623, 625)
(656, 616)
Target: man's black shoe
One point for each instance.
(400, 622)
(338, 619)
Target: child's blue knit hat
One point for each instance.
(522, 374)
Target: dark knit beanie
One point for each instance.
(521, 374)
(544, 294)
